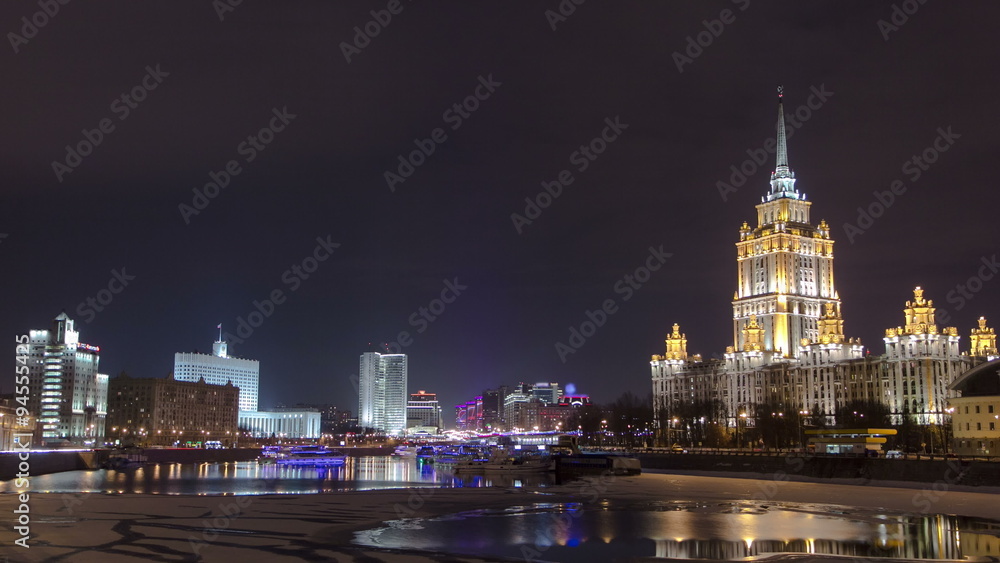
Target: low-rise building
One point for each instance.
(975, 416)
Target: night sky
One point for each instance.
(544, 92)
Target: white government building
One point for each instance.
(218, 368)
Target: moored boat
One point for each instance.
(502, 462)
(312, 456)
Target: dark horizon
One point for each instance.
(320, 208)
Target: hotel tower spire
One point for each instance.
(785, 266)
(783, 178)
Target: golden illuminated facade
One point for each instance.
(983, 340)
(789, 347)
(785, 265)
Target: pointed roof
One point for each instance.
(783, 178)
(782, 160)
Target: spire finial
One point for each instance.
(782, 148)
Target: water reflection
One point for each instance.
(691, 531)
(243, 478)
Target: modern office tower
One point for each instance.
(789, 348)
(166, 412)
(547, 393)
(218, 368)
(423, 410)
(382, 392)
(67, 394)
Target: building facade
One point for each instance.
(976, 414)
(168, 412)
(218, 368)
(382, 394)
(789, 349)
(282, 422)
(424, 411)
(67, 394)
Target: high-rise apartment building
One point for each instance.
(218, 368)
(67, 394)
(382, 392)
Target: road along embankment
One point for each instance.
(953, 471)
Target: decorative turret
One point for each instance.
(831, 326)
(920, 335)
(753, 336)
(676, 345)
(984, 341)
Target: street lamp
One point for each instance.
(802, 436)
(743, 416)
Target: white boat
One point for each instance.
(312, 456)
(405, 451)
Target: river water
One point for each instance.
(612, 531)
(252, 478)
(598, 532)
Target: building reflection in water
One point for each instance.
(240, 478)
(779, 531)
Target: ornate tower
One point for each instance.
(785, 265)
(676, 345)
(984, 341)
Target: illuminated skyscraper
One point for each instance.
(68, 395)
(382, 392)
(785, 266)
(789, 350)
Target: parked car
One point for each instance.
(677, 449)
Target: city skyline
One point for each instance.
(332, 235)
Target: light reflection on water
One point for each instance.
(725, 531)
(252, 478)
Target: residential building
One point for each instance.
(167, 412)
(975, 416)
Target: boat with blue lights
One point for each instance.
(312, 456)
